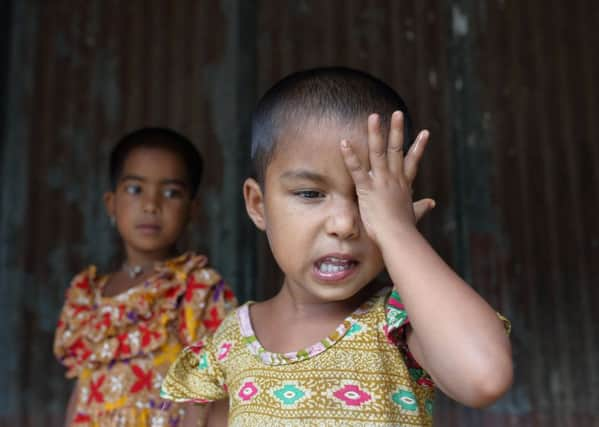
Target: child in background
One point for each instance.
(333, 192)
(119, 332)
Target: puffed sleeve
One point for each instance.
(195, 376)
(206, 302)
(70, 347)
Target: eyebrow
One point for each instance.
(167, 181)
(174, 182)
(303, 174)
(132, 178)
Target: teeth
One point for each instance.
(333, 268)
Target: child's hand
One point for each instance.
(385, 191)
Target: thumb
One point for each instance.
(422, 207)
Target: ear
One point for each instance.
(254, 202)
(109, 203)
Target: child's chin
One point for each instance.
(338, 293)
(151, 247)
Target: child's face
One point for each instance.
(152, 202)
(308, 208)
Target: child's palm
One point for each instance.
(385, 191)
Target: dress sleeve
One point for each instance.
(195, 376)
(396, 329)
(70, 348)
(206, 302)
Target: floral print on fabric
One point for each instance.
(120, 347)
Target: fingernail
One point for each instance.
(344, 143)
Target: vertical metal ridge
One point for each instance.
(588, 39)
(134, 93)
(176, 62)
(535, 199)
(198, 116)
(548, 238)
(513, 151)
(577, 291)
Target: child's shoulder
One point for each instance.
(193, 268)
(85, 281)
(187, 262)
(230, 327)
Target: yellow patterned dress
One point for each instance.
(120, 347)
(360, 375)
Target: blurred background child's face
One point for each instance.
(311, 214)
(152, 202)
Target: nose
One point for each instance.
(151, 202)
(343, 221)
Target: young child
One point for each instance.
(119, 332)
(333, 192)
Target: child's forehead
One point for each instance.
(313, 122)
(315, 147)
(154, 154)
(154, 160)
(296, 134)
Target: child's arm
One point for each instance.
(207, 415)
(456, 336)
(71, 406)
(218, 414)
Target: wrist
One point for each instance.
(400, 237)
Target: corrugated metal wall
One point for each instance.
(508, 90)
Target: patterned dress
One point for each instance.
(120, 347)
(360, 375)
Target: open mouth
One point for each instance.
(334, 268)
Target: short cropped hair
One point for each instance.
(161, 138)
(336, 93)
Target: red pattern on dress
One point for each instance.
(117, 346)
(94, 390)
(144, 379)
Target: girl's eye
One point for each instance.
(309, 194)
(133, 189)
(172, 193)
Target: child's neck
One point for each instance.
(148, 258)
(318, 310)
(286, 323)
(137, 267)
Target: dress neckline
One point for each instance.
(160, 269)
(272, 358)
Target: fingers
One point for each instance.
(395, 146)
(355, 168)
(422, 207)
(377, 150)
(414, 155)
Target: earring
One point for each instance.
(112, 220)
